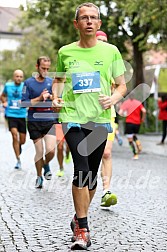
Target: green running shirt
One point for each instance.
(85, 68)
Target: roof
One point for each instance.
(7, 16)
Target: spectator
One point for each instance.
(162, 104)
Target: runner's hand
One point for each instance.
(4, 104)
(45, 95)
(57, 104)
(105, 101)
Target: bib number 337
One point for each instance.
(86, 82)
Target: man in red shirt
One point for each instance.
(135, 114)
(162, 104)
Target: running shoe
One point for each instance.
(60, 173)
(119, 139)
(18, 165)
(47, 173)
(120, 142)
(74, 226)
(82, 241)
(39, 182)
(135, 157)
(108, 199)
(67, 159)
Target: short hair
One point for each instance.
(44, 58)
(87, 5)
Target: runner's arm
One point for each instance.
(57, 90)
(143, 110)
(4, 99)
(119, 92)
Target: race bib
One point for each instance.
(86, 82)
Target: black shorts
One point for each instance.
(131, 128)
(86, 154)
(39, 129)
(18, 123)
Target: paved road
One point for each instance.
(38, 220)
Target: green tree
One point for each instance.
(59, 15)
(135, 21)
(36, 41)
(7, 65)
(128, 20)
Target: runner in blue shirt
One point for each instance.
(37, 96)
(11, 99)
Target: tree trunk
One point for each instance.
(138, 65)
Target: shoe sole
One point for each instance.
(80, 247)
(17, 168)
(39, 187)
(111, 201)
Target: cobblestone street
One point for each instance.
(38, 220)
